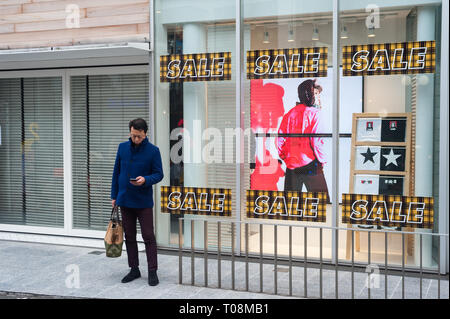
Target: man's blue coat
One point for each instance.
(131, 162)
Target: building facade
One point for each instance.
(218, 81)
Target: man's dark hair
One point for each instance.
(138, 124)
(306, 92)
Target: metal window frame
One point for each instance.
(44, 229)
(240, 104)
(335, 136)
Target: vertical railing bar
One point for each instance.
(261, 258)
(205, 242)
(290, 260)
(421, 266)
(439, 265)
(305, 262)
(192, 254)
(219, 257)
(321, 279)
(337, 265)
(403, 265)
(368, 265)
(353, 263)
(180, 251)
(233, 244)
(275, 257)
(246, 256)
(385, 265)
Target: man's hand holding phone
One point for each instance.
(138, 181)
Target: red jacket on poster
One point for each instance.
(300, 151)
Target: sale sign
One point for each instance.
(197, 201)
(388, 210)
(195, 67)
(287, 63)
(389, 58)
(287, 205)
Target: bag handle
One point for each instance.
(115, 211)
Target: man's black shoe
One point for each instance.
(152, 278)
(132, 275)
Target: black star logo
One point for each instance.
(368, 156)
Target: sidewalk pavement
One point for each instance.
(46, 269)
(82, 272)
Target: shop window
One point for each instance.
(195, 110)
(101, 108)
(286, 45)
(288, 106)
(31, 152)
(394, 147)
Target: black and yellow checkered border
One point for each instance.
(167, 190)
(428, 212)
(252, 195)
(430, 58)
(165, 60)
(252, 56)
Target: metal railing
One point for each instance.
(306, 263)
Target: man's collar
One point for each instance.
(144, 142)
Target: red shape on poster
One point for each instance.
(266, 105)
(267, 109)
(266, 174)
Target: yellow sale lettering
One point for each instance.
(281, 65)
(190, 68)
(384, 60)
(394, 212)
(190, 201)
(306, 207)
(287, 205)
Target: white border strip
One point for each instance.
(443, 147)
(67, 151)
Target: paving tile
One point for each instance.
(432, 290)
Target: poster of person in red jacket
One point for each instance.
(299, 160)
(292, 120)
(299, 144)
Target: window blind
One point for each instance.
(31, 154)
(221, 98)
(102, 106)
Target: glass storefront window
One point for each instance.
(288, 106)
(395, 142)
(195, 112)
(291, 148)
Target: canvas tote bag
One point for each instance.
(114, 235)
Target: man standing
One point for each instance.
(137, 168)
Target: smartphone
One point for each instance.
(133, 180)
